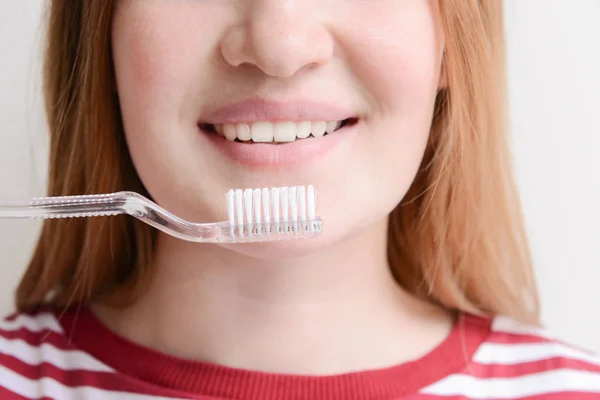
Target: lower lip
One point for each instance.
(261, 155)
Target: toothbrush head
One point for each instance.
(278, 213)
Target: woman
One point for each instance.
(421, 285)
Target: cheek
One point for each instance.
(399, 57)
(154, 65)
(156, 55)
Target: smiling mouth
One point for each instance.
(279, 132)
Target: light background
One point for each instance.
(554, 71)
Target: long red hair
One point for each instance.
(456, 239)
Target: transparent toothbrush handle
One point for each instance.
(65, 207)
(140, 207)
(98, 205)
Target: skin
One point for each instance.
(175, 60)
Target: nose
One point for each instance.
(279, 37)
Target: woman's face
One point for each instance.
(194, 74)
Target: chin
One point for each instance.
(285, 249)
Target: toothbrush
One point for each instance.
(254, 215)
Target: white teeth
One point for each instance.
(318, 128)
(332, 126)
(243, 132)
(279, 132)
(262, 132)
(303, 130)
(229, 131)
(284, 131)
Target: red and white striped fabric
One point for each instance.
(71, 355)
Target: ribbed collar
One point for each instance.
(89, 334)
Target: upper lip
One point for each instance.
(259, 109)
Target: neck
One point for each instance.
(329, 312)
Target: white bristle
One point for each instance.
(231, 210)
(294, 203)
(275, 204)
(302, 202)
(257, 204)
(251, 211)
(310, 201)
(239, 206)
(285, 203)
(248, 208)
(248, 211)
(266, 205)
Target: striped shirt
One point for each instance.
(72, 355)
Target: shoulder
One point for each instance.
(22, 335)
(34, 349)
(520, 361)
(38, 359)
